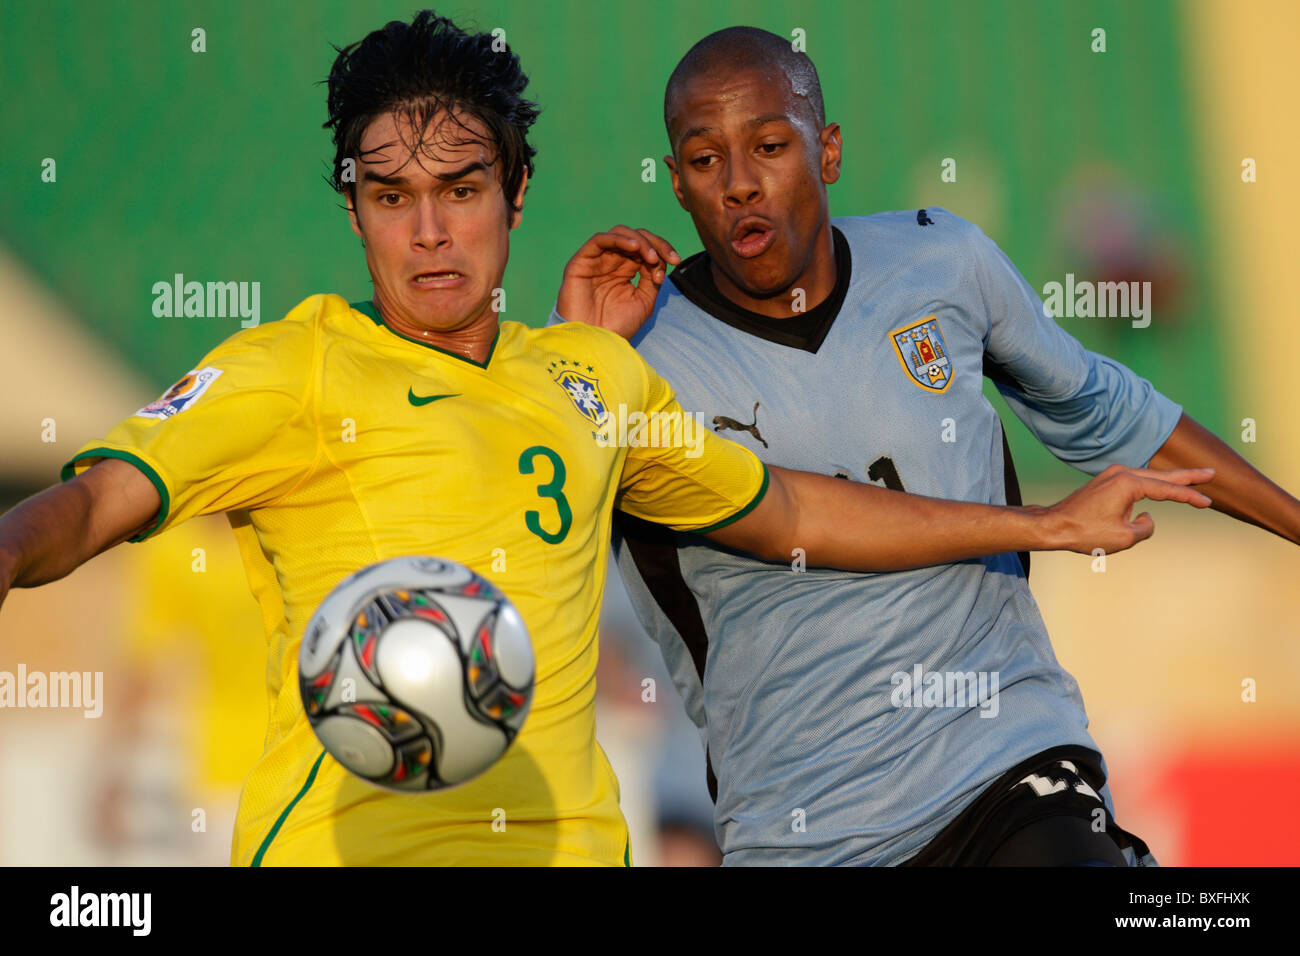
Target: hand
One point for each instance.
(1097, 515)
(597, 287)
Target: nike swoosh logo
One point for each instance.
(417, 400)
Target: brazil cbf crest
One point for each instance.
(584, 392)
(924, 354)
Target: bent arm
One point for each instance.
(52, 533)
(1238, 488)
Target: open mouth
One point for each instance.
(752, 237)
(438, 279)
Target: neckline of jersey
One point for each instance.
(367, 308)
(806, 332)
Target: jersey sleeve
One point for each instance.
(1086, 409)
(696, 482)
(238, 431)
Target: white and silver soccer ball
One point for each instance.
(416, 674)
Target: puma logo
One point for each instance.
(722, 421)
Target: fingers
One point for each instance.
(1160, 490)
(655, 253)
(619, 242)
(1178, 476)
(662, 246)
(1143, 527)
(653, 250)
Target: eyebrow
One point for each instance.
(468, 169)
(757, 121)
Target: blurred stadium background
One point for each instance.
(1125, 164)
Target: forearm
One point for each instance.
(860, 527)
(41, 538)
(1238, 488)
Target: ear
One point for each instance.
(831, 145)
(677, 182)
(517, 213)
(352, 217)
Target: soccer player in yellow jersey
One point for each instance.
(417, 423)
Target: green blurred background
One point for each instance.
(212, 164)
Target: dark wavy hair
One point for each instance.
(419, 69)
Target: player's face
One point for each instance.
(435, 224)
(751, 166)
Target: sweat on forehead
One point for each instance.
(735, 49)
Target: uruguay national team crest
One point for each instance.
(584, 392)
(921, 350)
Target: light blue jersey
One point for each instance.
(849, 717)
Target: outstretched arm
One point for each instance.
(53, 533)
(1090, 410)
(860, 527)
(1238, 489)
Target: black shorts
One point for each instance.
(1045, 811)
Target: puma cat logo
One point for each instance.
(722, 421)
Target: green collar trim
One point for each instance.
(367, 308)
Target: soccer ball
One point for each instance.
(416, 674)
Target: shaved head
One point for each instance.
(751, 158)
(740, 48)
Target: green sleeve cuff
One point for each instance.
(762, 490)
(68, 471)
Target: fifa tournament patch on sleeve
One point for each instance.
(181, 395)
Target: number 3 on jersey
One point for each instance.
(551, 489)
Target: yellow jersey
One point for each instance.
(333, 442)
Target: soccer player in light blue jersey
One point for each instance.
(907, 717)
